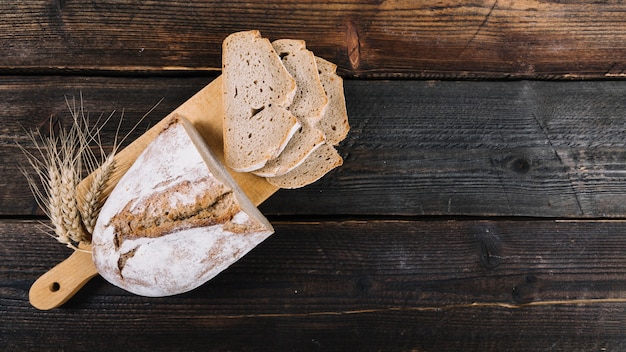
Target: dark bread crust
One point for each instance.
(154, 217)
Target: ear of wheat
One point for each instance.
(62, 159)
(58, 167)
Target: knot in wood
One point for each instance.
(490, 250)
(353, 45)
(520, 165)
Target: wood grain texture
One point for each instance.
(477, 148)
(544, 149)
(390, 38)
(357, 285)
(468, 215)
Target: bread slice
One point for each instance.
(253, 73)
(310, 99)
(304, 142)
(175, 219)
(308, 106)
(334, 123)
(250, 141)
(257, 89)
(319, 163)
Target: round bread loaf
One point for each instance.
(175, 219)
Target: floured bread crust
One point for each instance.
(171, 223)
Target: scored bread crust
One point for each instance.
(308, 106)
(175, 219)
(257, 89)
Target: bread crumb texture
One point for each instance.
(281, 104)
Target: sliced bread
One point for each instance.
(253, 73)
(257, 89)
(304, 142)
(334, 124)
(249, 142)
(319, 163)
(310, 99)
(308, 106)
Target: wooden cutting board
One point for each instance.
(204, 110)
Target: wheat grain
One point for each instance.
(54, 201)
(92, 199)
(69, 205)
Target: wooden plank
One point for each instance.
(351, 285)
(546, 149)
(31, 103)
(476, 148)
(393, 38)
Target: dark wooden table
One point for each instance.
(481, 205)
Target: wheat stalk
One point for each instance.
(62, 161)
(100, 166)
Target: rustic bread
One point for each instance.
(175, 219)
(319, 163)
(257, 90)
(334, 123)
(308, 106)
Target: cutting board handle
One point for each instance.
(60, 283)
